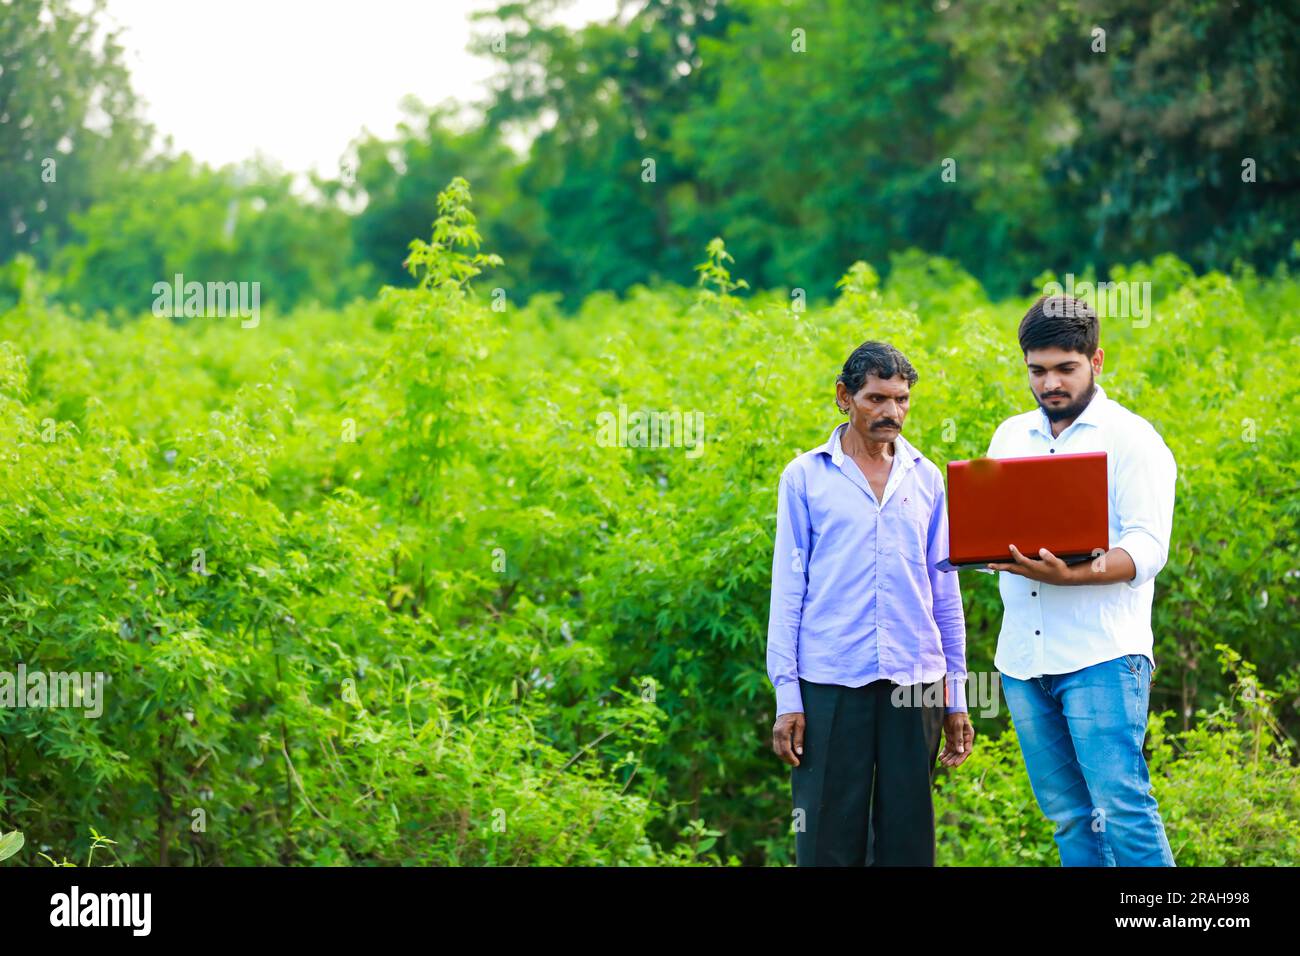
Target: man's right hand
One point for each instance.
(787, 738)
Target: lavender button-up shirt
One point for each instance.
(856, 595)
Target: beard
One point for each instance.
(1071, 409)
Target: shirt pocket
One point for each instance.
(909, 538)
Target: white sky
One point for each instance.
(296, 80)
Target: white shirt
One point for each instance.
(1056, 629)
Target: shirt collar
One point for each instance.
(1091, 415)
(903, 449)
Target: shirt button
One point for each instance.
(1038, 632)
(1051, 451)
(1033, 594)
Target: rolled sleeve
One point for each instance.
(949, 615)
(1144, 505)
(1147, 553)
(791, 554)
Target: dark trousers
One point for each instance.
(863, 781)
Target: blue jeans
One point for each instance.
(1081, 736)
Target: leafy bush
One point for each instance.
(369, 585)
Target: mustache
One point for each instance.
(1056, 395)
(886, 423)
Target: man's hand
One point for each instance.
(959, 738)
(1049, 568)
(1115, 565)
(787, 738)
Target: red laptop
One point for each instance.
(1057, 502)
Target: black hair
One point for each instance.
(1061, 321)
(875, 358)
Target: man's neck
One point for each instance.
(1064, 423)
(855, 446)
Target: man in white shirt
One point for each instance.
(1075, 649)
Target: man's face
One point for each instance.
(877, 411)
(1062, 382)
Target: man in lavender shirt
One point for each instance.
(866, 643)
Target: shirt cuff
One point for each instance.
(955, 694)
(1148, 557)
(789, 699)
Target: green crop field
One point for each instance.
(402, 582)
(394, 403)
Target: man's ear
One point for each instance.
(1098, 358)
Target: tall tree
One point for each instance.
(825, 141)
(397, 180)
(598, 104)
(243, 224)
(69, 122)
(1115, 130)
